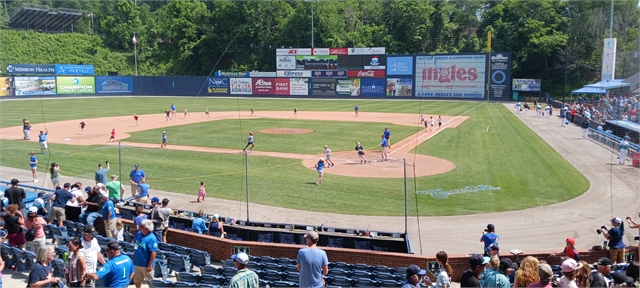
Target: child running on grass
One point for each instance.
(113, 135)
(202, 192)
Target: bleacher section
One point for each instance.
(43, 18)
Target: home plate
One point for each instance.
(67, 139)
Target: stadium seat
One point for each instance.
(199, 258)
(127, 214)
(161, 269)
(128, 237)
(128, 247)
(334, 242)
(61, 240)
(379, 248)
(162, 283)
(255, 266)
(385, 276)
(21, 259)
(273, 275)
(291, 268)
(284, 284)
(362, 267)
(211, 270)
(188, 277)
(58, 268)
(229, 263)
(272, 266)
(268, 259)
(7, 255)
(264, 283)
(341, 265)
(178, 263)
(184, 284)
(337, 272)
(265, 237)
(229, 272)
(292, 276)
(231, 236)
(286, 238)
(362, 245)
(212, 279)
(181, 250)
(342, 281)
(166, 247)
(400, 271)
(286, 261)
(367, 282)
(362, 274)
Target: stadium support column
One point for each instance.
(246, 180)
(488, 76)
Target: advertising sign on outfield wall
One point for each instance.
(299, 86)
(500, 71)
(22, 69)
(294, 51)
(114, 85)
(67, 69)
(296, 74)
(218, 85)
(240, 86)
(286, 62)
(334, 74)
(6, 86)
(366, 73)
(400, 65)
(76, 85)
(372, 86)
(35, 85)
(399, 87)
(323, 87)
(263, 86)
(451, 76)
(282, 86)
(348, 87)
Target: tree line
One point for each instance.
(195, 37)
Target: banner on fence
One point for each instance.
(323, 87)
(218, 85)
(76, 85)
(240, 86)
(400, 65)
(500, 70)
(299, 86)
(282, 86)
(527, 85)
(22, 69)
(6, 86)
(296, 74)
(67, 69)
(263, 86)
(317, 62)
(44, 85)
(451, 76)
(372, 87)
(366, 73)
(286, 62)
(114, 85)
(399, 87)
(333, 74)
(348, 87)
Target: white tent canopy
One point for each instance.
(601, 87)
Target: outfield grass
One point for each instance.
(510, 156)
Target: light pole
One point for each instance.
(312, 21)
(611, 21)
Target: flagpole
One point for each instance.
(135, 51)
(92, 31)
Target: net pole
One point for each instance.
(246, 182)
(120, 167)
(406, 215)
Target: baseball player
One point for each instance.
(252, 112)
(319, 167)
(164, 139)
(624, 148)
(433, 123)
(135, 118)
(186, 112)
(421, 118)
(538, 110)
(327, 152)
(387, 135)
(295, 112)
(113, 135)
(82, 125)
(361, 152)
(206, 111)
(439, 122)
(518, 107)
(168, 115)
(249, 142)
(173, 110)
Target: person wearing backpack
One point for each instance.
(35, 230)
(490, 238)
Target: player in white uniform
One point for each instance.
(327, 152)
(433, 123)
(518, 107)
(624, 148)
(249, 142)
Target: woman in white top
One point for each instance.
(444, 275)
(76, 190)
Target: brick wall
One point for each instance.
(221, 249)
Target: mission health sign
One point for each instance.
(450, 76)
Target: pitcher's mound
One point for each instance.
(286, 131)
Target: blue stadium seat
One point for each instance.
(184, 284)
(58, 268)
(178, 263)
(284, 284)
(342, 281)
(199, 258)
(287, 238)
(337, 272)
(273, 275)
(166, 247)
(265, 237)
(127, 214)
(161, 269)
(128, 237)
(362, 274)
(21, 259)
(286, 261)
(211, 270)
(212, 279)
(362, 267)
(188, 277)
(162, 283)
(7, 255)
(292, 276)
(181, 250)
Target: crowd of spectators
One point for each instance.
(604, 108)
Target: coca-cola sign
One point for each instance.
(263, 86)
(366, 73)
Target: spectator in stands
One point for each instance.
(569, 268)
(634, 224)
(528, 272)
(145, 254)
(312, 262)
(77, 264)
(570, 250)
(477, 265)
(443, 280)
(622, 280)
(15, 195)
(492, 266)
(1, 268)
(55, 171)
(134, 179)
(36, 223)
(94, 207)
(41, 271)
(616, 246)
(117, 272)
(91, 250)
(13, 222)
(101, 173)
(199, 224)
(59, 198)
(119, 233)
(108, 215)
(143, 196)
(39, 203)
(216, 227)
(245, 278)
(76, 190)
(490, 238)
(140, 217)
(582, 274)
(414, 276)
(157, 218)
(165, 212)
(500, 278)
(601, 277)
(116, 189)
(494, 250)
(546, 277)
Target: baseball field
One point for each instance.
(482, 159)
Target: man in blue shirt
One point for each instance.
(33, 163)
(60, 198)
(117, 272)
(387, 135)
(199, 225)
(134, 178)
(312, 263)
(108, 215)
(101, 173)
(384, 145)
(490, 238)
(143, 196)
(42, 138)
(145, 254)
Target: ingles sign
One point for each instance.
(454, 76)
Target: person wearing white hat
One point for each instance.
(319, 167)
(327, 152)
(569, 267)
(35, 222)
(244, 278)
(624, 148)
(616, 245)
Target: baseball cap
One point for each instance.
(627, 137)
(616, 220)
(490, 227)
(505, 263)
(570, 265)
(545, 272)
(90, 230)
(241, 258)
(313, 235)
(137, 165)
(155, 199)
(33, 209)
(495, 247)
(113, 245)
(477, 259)
(250, 133)
(321, 159)
(41, 194)
(87, 189)
(415, 270)
(620, 278)
(571, 241)
(58, 187)
(67, 185)
(604, 261)
(216, 216)
(104, 194)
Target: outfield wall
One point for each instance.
(472, 76)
